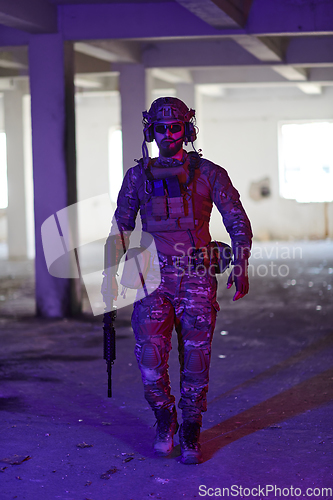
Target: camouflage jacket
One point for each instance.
(211, 182)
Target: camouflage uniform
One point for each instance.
(185, 299)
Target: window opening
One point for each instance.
(306, 161)
(3, 172)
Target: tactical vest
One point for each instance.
(171, 206)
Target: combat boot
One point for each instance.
(189, 434)
(167, 426)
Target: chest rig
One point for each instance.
(170, 205)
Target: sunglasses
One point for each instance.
(173, 127)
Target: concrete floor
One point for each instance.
(269, 419)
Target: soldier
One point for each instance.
(175, 194)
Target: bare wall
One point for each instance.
(240, 132)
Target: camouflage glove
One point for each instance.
(239, 276)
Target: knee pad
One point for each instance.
(150, 356)
(195, 361)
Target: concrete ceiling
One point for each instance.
(208, 42)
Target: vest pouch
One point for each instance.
(135, 268)
(176, 207)
(174, 213)
(159, 207)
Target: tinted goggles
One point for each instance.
(172, 127)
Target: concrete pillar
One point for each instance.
(149, 87)
(16, 211)
(191, 96)
(54, 160)
(149, 99)
(133, 102)
(199, 115)
(186, 92)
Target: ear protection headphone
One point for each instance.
(148, 133)
(190, 133)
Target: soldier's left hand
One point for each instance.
(239, 276)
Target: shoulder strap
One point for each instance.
(194, 164)
(146, 170)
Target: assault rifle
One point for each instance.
(109, 344)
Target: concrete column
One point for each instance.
(133, 102)
(54, 161)
(16, 211)
(149, 87)
(186, 92)
(199, 115)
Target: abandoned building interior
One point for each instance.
(75, 77)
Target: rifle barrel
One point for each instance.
(109, 379)
(109, 344)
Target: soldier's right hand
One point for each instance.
(114, 287)
(239, 276)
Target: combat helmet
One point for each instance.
(169, 109)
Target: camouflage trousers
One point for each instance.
(185, 300)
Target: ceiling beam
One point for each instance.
(219, 13)
(267, 49)
(17, 59)
(195, 53)
(110, 50)
(321, 75)
(84, 82)
(94, 52)
(212, 90)
(87, 64)
(290, 17)
(257, 76)
(291, 73)
(10, 37)
(219, 90)
(235, 75)
(142, 20)
(33, 16)
(12, 73)
(240, 51)
(172, 75)
(310, 51)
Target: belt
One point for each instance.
(181, 262)
(174, 260)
